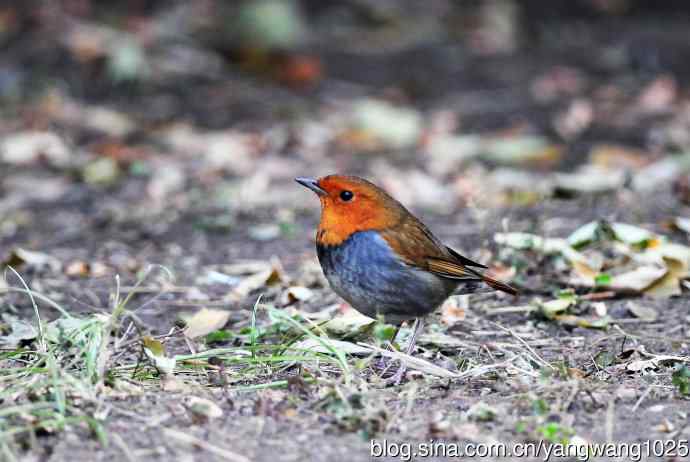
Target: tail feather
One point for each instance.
(499, 285)
(460, 272)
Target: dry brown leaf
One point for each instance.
(37, 260)
(453, 310)
(255, 282)
(296, 294)
(612, 157)
(669, 285)
(77, 268)
(205, 321)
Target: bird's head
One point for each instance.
(350, 204)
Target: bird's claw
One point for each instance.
(397, 378)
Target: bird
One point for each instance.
(382, 260)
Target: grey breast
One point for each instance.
(366, 273)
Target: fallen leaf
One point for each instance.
(296, 294)
(642, 312)
(205, 321)
(660, 173)
(638, 279)
(552, 308)
(220, 150)
(270, 24)
(100, 119)
(28, 147)
(604, 359)
(447, 153)
(631, 234)
(584, 234)
(614, 157)
(264, 232)
(654, 361)
(682, 224)
(589, 179)
(521, 150)
(453, 310)
(71, 329)
(600, 309)
(203, 410)
(256, 281)
(392, 126)
(36, 260)
(77, 268)
(19, 331)
(350, 323)
(527, 241)
(102, 172)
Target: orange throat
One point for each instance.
(338, 225)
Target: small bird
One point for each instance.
(381, 259)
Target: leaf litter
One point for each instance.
(614, 256)
(166, 169)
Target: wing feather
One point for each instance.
(415, 244)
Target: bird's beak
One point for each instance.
(312, 184)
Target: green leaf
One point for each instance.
(630, 234)
(584, 235)
(604, 358)
(540, 407)
(384, 332)
(219, 336)
(553, 308)
(602, 279)
(681, 379)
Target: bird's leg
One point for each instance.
(416, 329)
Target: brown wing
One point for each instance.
(455, 270)
(464, 260)
(417, 246)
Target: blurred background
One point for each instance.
(549, 139)
(168, 131)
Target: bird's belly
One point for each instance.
(366, 273)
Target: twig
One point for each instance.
(610, 418)
(529, 348)
(510, 309)
(599, 295)
(642, 397)
(571, 397)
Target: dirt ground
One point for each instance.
(197, 215)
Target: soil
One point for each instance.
(111, 225)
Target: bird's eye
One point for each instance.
(346, 196)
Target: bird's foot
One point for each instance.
(397, 378)
(384, 363)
